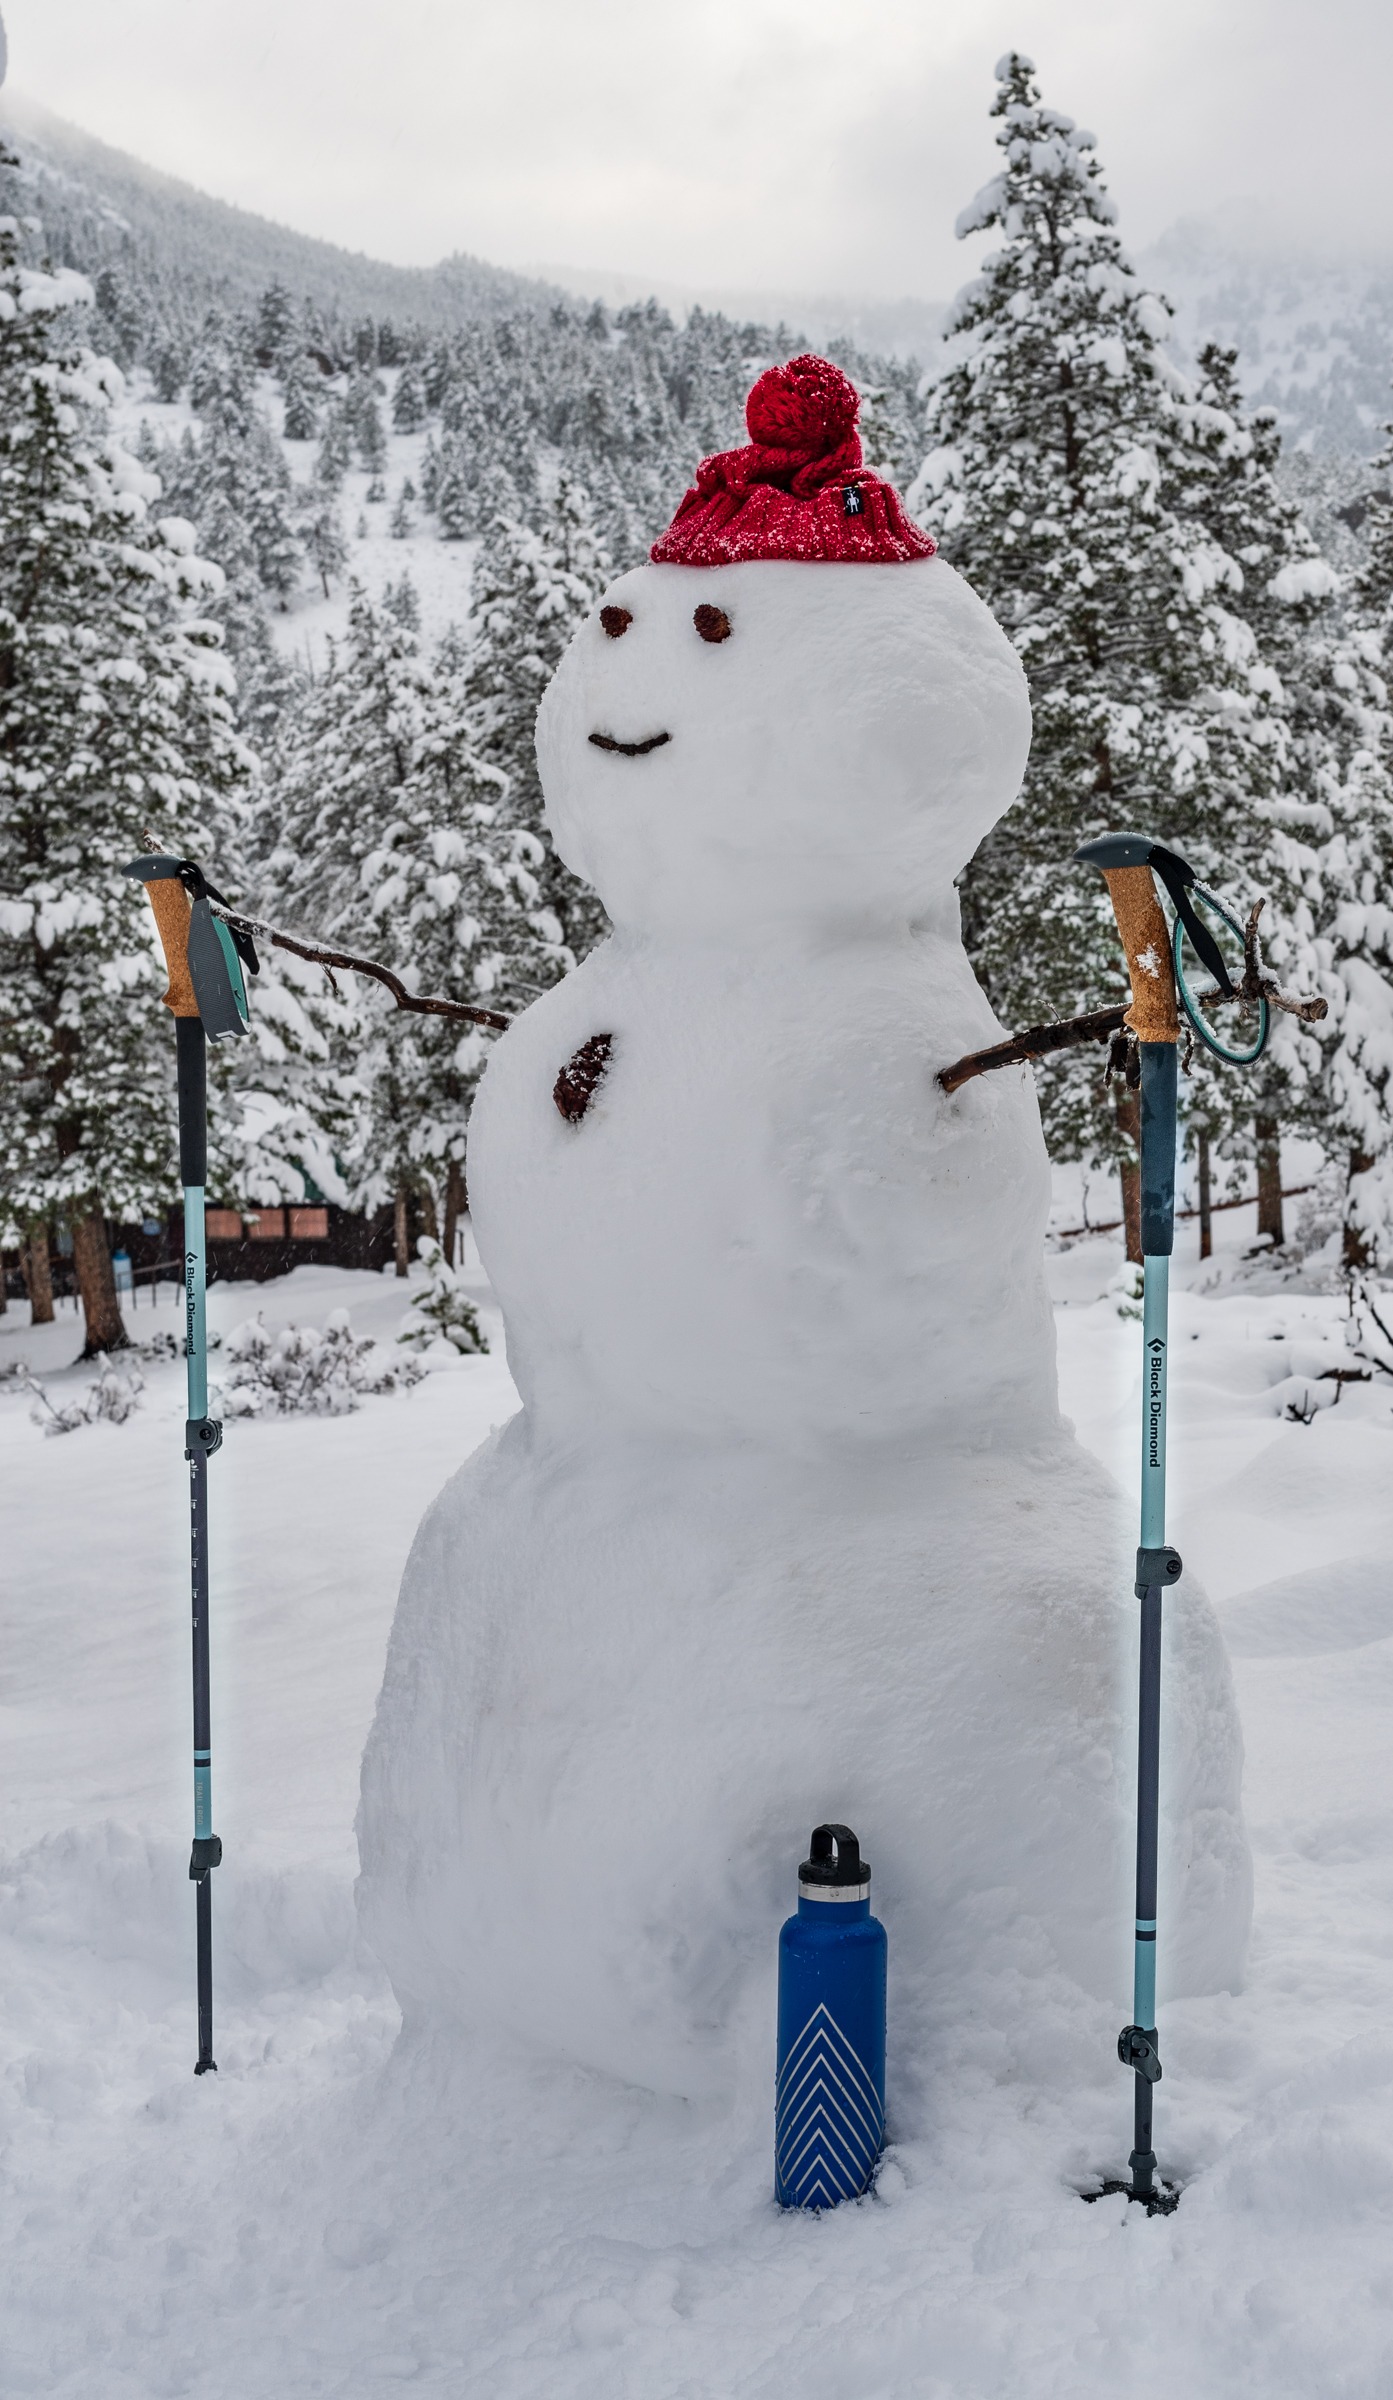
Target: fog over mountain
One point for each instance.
(1313, 327)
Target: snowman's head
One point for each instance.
(781, 745)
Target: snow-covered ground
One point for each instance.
(335, 2213)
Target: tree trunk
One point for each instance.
(1269, 1142)
(1128, 1109)
(456, 1206)
(38, 1276)
(430, 1222)
(96, 1281)
(403, 1244)
(1206, 1219)
(1354, 1241)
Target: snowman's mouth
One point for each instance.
(606, 741)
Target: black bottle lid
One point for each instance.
(834, 1862)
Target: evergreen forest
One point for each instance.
(286, 564)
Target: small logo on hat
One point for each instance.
(852, 503)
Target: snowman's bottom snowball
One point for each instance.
(620, 1692)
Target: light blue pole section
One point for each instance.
(1144, 1975)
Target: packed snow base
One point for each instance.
(338, 2212)
(788, 1528)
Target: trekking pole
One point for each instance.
(208, 998)
(1155, 967)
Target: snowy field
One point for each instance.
(333, 2214)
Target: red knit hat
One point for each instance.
(799, 490)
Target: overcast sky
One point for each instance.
(807, 145)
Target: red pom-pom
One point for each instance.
(808, 405)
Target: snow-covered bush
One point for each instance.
(112, 1396)
(301, 1372)
(440, 1309)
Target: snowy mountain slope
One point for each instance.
(1314, 335)
(101, 204)
(332, 2214)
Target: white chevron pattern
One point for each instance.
(828, 2123)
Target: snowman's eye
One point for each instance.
(711, 623)
(616, 621)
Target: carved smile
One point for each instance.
(606, 741)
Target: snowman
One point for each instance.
(788, 1527)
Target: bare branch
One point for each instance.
(319, 956)
(1036, 1042)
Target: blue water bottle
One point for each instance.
(829, 2109)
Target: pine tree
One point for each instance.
(402, 601)
(409, 400)
(401, 521)
(1062, 446)
(384, 830)
(532, 587)
(335, 453)
(1374, 589)
(117, 714)
(276, 329)
(301, 422)
(455, 500)
(324, 536)
(1284, 593)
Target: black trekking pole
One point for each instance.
(207, 995)
(1156, 968)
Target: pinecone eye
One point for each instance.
(616, 621)
(711, 623)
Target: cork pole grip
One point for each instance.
(173, 908)
(1147, 942)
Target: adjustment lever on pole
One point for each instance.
(207, 1853)
(1154, 1568)
(1136, 2047)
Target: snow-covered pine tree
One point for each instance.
(232, 480)
(1284, 593)
(334, 456)
(1347, 700)
(532, 586)
(277, 330)
(409, 399)
(1352, 952)
(362, 413)
(322, 529)
(117, 713)
(383, 830)
(453, 481)
(430, 470)
(402, 601)
(1060, 449)
(1319, 848)
(301, 421)
(1374, 587)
